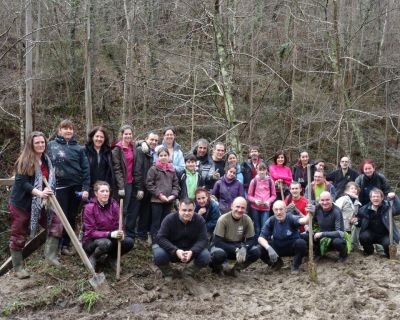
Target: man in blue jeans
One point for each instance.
(182, 238)
(280, 237)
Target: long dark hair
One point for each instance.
(93, 132)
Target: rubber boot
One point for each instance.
(66, 251)
(190, 270)
(242, 266)
(18, 264)
(50, 251)
(297, 259)
(229, 269)
(166, 271)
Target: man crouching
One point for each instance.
(182, 238)
(280, 237)
(234, 239)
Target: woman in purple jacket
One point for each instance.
(100, 223)
(227, 189)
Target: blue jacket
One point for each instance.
(365, 212)
(70, 162)
(178, 161)
(211, 216)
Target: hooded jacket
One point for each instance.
(226, 191)
(70, 162)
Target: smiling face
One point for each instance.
(295, 190)
(254, 154)
(318, 178)
(163, 156)
(98, 139)
(231, 174)
(66, 132)
(219, 152)
(280, 210)
(238, 207)
(190, 165)
(201, 199)
(127, 136)
(280, 160)
(344, 163)
(201, 150)
(186, 212)
(102, 194)
(376, 198)
(152, 140)
(325, 200)
(39, 145)
(169, 137)
(368, 170)
(232, 159)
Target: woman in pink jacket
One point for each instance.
(261, 195)
(281, 174)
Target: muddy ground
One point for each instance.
(363, 288)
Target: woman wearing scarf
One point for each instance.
(174, 150)
(27, 205)
(162, 182)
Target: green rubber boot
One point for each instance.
(18, 264)
(190, 270)
(50, 251)
(166, 271)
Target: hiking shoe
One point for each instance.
(22, 274)
(66, 251)
(342, 259)
(229, 270)
(277, 265)
(295, 270)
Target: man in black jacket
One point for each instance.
(342, 176)
(141, 206)
(373, 220)
(182, 238)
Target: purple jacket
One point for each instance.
(226, 192)
(99, 221)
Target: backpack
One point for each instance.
(255, 186)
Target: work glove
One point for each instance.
(216, 175)
(273, 256)
(258, 202)
(144, 147)
(121, 193)
(291, 206)
(310, 209)
(241, 254)
(117, 234)
(140, 195)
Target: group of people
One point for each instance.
(211, 192)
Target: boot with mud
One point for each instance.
(190, 270)
(297, 259)
(241, 266)
(18, 264)
(229, 270)
(167, 271)
(277, 265)
(50, 251)
(67, 251)
(94, 257)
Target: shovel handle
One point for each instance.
(70, 232)
(121, 214)
(391, 222)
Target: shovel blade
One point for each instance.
(98, 282)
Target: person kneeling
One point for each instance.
(182, 238)
(100, 223)
(234, 239)
(280, 237)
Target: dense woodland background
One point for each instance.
(316, 75)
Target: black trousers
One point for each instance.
(368, 238)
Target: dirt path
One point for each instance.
(363, 288)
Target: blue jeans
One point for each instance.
(162, 257)
(259, 218)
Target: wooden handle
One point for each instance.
(70, 232)
(121, 213)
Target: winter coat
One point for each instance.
(120, 166)
(247, 169)
(339, 181)
(277, 172)
(70, 162)
(366, 184)
(263, 190)
(349, 209)
(102, 170)
(300, 174)
(143, 163)
(328, 187)
(162, 181)
(211, 216)
(365, 212)
(99, 221)
(182, 176)
(226, 192)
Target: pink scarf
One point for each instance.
(165, 166)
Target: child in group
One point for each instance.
(261, 195)
(189, 179)
(227, 188)
(163, 184)
(349, 204)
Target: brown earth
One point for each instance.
(362, 288)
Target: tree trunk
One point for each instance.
(88, 73)
(28, 67)
(128, 59)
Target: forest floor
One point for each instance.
(362, 288)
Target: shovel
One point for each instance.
(312, 270)
(121, 213)
(98, 279)
(392, 245)
(281, 188)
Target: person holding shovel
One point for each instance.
(373, 220)
(101, 232)
(27, 206)
(281, 174)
